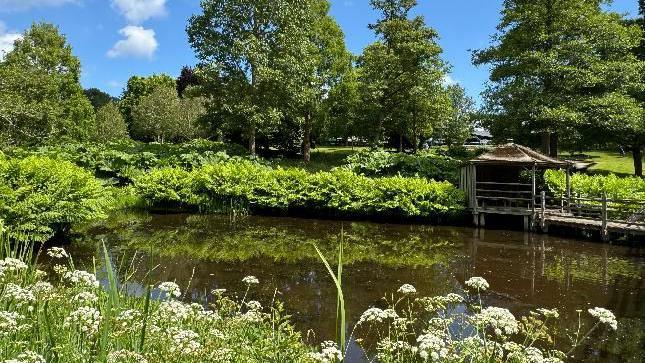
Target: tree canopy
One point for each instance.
(40, 94)
(98, 98)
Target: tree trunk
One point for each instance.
(546, 143)
(252, 140)
(400, 143)
(637, 153)
(306, 142)
(554, 145)
(415, 143)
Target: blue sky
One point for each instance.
(118, 38)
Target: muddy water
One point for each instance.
(524, 271)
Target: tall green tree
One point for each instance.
(561, 67)
(41, 97)
(109, 124)
(246, 49)
(98, 98)
(138, 87)
(402, 73)
(322, 61)
(459, 125)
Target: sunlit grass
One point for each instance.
(605, 161)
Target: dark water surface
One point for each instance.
(525, 271)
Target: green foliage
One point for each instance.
(40, 95)
(139, 87)
(337, 193)
(564, 67)
(427, 165)
(457, 128)
(98, 98)
(595, 186)
(40, 197)
(109, 124)
(127, 158)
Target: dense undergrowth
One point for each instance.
(595, 186)
(257, 188)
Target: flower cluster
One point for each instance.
(500, 320)
(85, 298)
(81, 278)
(604, 316)
(125, 356)
(27, 357)
(477, 283)
(19, 295)
(87, 319)
(432, 346)
(376, 315)
(57, 252)
(12, 265)
(251, 280)
(170, 288)
(183, 341)
(329, 353)
(407, 289)
(9, 323)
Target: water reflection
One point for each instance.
(524, 271)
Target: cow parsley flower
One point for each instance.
(374, 315)
(184, 342)
(329, 353)
(170, 288)
(27, 357)
(477, 283)
(251, 280)
(81, 278)
(57, 252)
(254, 305)
(604, 316)
(407, 289)
(500, 320)
(549, 313)
(87, 319)
(125, 356)
(9, 323)
(85, 298)
(172, 311)
(19, 295)
(41, 288)
(432, 347)
(12, 265)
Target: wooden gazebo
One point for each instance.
(505, 181)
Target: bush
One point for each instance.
(109, 124)
(595, 186)
(426, 164)
(259, 188)
(40, 197)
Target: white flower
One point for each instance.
(477, 283)
(372, 315)
(183, 342)
(549, 313)
(432, 346)
(218, 292)
(57, 252)
(254, 305)
(251, 280)
(27, 357)
(19, 295)
(9, 323)
(12, 265)
(500, 320)
(329, 353)
(170, 288)
(604, 316)
(85, 297)
(407, 289)
(128, 319)
(60, 269)
(87, 319)
(82, 278)
(125, 356)
(41, 288)
(173, 311)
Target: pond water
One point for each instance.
(524, 270)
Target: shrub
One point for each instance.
(40, 197)
(109, 124)
(596, 185)
(260, 188)
(426, 164)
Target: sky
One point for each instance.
(116, 39)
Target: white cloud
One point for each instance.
(449, 81)
(138, 43)
(6, 40)
(138, 11)
(16, 5)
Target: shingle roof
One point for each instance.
(510, 154)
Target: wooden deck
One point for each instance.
(558, 219)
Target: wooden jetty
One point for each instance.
(505, 181)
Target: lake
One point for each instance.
(525, 271)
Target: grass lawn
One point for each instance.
(322, 158)
(605, 161)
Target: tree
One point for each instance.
(322, 61)
(187, 78)
(98, 98)
(402, 74)
(460, 124)
(110, 125)
(246, 49)
(343, 107)
(40, 94)
(559, 68)
(138, 87)
(163, 117)
(637, 138)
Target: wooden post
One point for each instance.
(604, 232)
(533, 190)
(543, 212)
(568, 189)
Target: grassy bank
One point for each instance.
(605, 162)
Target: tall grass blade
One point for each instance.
(341, 298)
